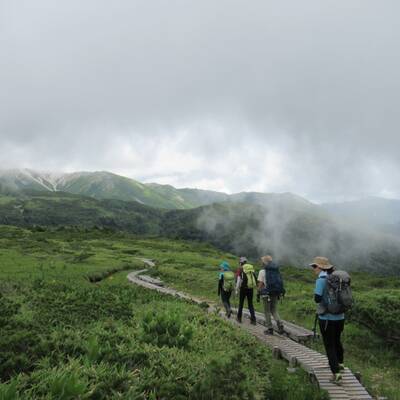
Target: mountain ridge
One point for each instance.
(292, 236)
(375, 213)
(107, 185)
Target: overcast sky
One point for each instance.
(299, 96)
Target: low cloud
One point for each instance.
(221, 95)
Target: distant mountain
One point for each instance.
(375, 212)
(189, 198)
(106, 185)
(16, 180)
(292, 235)
(279, 202)
(99, 185)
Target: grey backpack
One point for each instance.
(337, 296)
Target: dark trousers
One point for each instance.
(246, 293)
(331, 331)
(225, 297)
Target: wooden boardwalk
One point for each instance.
(294, 332)
(295, 353)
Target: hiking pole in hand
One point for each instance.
(315, 327)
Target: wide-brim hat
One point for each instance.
(266, 259)
(321, 262)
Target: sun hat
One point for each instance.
(266, 259)
(242, 260)
(321, 262)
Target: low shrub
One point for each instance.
(166, 329)
(379, 311)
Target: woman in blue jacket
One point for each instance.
(331, 325)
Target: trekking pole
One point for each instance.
(315, 327)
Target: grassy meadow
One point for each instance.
(72, 327)
(372, 332)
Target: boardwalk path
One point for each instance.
(297, 354)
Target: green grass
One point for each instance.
(72, 255)
(63, 337)
(369, 348)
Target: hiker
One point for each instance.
(226, 283)
(270, 289)
(331, 325)
(245, 284)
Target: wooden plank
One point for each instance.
(150, 279)
(298, 335)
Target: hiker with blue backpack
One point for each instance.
(226, 284)
(245, 285)
(270, 289)
(333, 297)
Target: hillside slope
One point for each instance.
(99, 185)
(189, 198)
(58, 209)
(292, 236)
(106, 185)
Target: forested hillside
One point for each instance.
(293, 235)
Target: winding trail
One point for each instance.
(316, 364)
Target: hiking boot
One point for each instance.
(228, 315)
(253, 322)
(269, 331)
(281, 331)
(239, 320)
(341, 367)
(337, 378)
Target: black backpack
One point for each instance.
(274, 281)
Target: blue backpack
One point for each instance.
(274, 281)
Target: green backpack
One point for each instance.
(229, 281)
(249, 278)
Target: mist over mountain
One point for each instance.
(372, 212)
(292, 233)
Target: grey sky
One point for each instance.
(297, 96)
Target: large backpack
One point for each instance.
(229, 281)
(337, 296)
(249, 277)
(274, 282)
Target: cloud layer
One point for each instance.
(227, 95)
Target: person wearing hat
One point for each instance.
(245, 285)
(270, 288)
(331, 325)
(226, 283)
